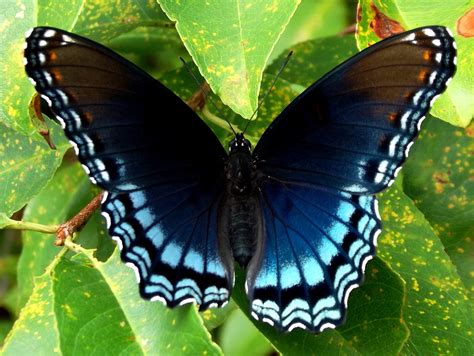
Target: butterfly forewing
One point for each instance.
(352, 129)
(163, 172)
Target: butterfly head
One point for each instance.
(239, 144)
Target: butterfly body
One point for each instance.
(239, 214)
(299, 211)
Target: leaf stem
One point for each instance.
(25, 225)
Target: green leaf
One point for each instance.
(231, 42)
(437, 310)
(26, 166)
(100, 20)
(439, 178)
(67, 192)
(146, 40)
(215, 317)
(16, 17)
(251, 341)
(35, 331)
(454, 106)
(98, 306)
(313, 19)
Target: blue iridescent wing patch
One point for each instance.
(112, 113)
(317, 243)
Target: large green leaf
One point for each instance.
(454, 106)
(97, 305)
(67, 192)
(26, 166)
(35, 331)
(440, 180)
(437, 312)
(16, 17)
(230, 42)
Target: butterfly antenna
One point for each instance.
(269, 90)
(206, 96)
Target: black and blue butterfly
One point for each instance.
(298, 212)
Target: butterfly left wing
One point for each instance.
(159, 162)
(342, 140)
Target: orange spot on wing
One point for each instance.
(423, 75)
(88, 117)
(426, 55)
(56, 75)
(53, 56)
(393, 117)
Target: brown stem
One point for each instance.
(198, 99)
(77, 222)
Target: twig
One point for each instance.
(78, 221)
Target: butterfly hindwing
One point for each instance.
(163, 172)
(353, 128)
(317, 242)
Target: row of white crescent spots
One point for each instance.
(135, 268)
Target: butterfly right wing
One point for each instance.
(163, 173)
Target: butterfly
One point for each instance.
(298, 211)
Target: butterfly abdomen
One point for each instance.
(242, 227)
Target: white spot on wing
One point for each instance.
(376, 208)
(327, 326)
(268, 321)
(436, 42)
(438, 57)
(364, 263)
(48, 100)
(411, 37)
(407, 150)
(135, 269)
(42, 43)
(118, 241)
(429, 32)
(376, 236)
(107, 218)
(42, 59)
(159, 299)
(49, 33)
(296, 325)
(189, 300)
(104, 197)
(351, 288)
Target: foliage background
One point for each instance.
(417, 297)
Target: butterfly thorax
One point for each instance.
(242, 212)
